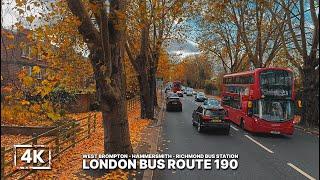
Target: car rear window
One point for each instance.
(210, 112)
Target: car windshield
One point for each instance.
(274, 110)
(212, 102)
(200, 94)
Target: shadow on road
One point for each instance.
(275, 136)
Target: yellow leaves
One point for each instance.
(25, 102)
(35, 108)
(30, 19)
(10, 36)
(10, 46)
(44, 88)
(6, 89)
(54, 116)
(36, 70)
(27, 81)
(120, 15)
(29, 36)
(20, 3)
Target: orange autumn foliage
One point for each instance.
(69, 165)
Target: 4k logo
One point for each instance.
(32, 157)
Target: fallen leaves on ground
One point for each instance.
(69, 164)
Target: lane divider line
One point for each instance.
(300, 171)
(259, 144)
(234, 128)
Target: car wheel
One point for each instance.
(199, 128)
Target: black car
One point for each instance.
(173, 103)
(210, 116)
(200, 97)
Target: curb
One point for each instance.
(314, 132)
(148, 173)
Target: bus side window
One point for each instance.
(226, 101)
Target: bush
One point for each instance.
(209, 87)
(61, 96)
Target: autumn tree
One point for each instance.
(301, 45)
(105, 40)
(150, 24)
(164, 66)
(242, 31)
(220, 37)
(194, 70)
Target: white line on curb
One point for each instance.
(265, 148)
(234, 128)
(301, 172)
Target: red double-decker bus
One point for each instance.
(261, 100)
(176, 86)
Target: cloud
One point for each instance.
(182, 48)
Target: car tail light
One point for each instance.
(206, 118)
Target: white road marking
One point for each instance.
(234, 128)
(301, 172)
(259, 144)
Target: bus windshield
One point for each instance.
(273, 110)
(276, 83)
(276, 77)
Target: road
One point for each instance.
(260, 156)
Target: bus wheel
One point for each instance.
(242, 124)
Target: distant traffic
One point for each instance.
(259, 101)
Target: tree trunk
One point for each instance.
(146, 98)
(106, 47)
(153, 87)
(113, 103)
(116, 130)
(310, 97)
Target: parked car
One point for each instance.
(173, 103)
(180, 93)
(189, 92)
(210, 116)
(200, 97)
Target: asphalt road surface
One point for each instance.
(260, 156)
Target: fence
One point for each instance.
(64, 137)
(131, 103)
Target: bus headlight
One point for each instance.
(249, 104)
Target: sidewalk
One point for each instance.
(311, 130)
(153, 135)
